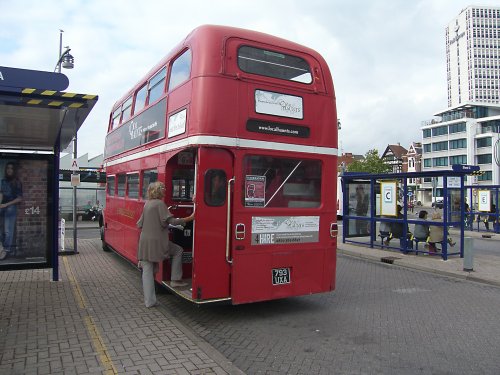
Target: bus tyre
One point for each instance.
(104, 245)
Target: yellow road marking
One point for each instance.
(92, 329)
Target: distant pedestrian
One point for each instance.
(411, 205)
(154, 245)
(468, 218)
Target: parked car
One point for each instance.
(438, 203)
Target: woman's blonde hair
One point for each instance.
(156, 190)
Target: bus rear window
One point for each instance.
(274, 64)
(281, 182)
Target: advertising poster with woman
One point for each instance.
(359, 205)
(25, 209)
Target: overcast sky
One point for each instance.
(387, 57)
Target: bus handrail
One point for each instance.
(228, 226)
(176, 206)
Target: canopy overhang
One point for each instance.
(36, 119)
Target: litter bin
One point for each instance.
(468, 254)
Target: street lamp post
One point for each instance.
(66, 60)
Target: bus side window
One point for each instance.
(148, 177)
(140, 99)
(133, 185)
(157, 86)
(126, 110)
(215, 187)
(111, 185)
(121, 178)
(116, 118)
(181, 69)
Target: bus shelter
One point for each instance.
(378, 212)
(37, 120)
(483, 214)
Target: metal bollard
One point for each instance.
(468, 254)
(62, 232)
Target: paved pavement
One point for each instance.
(486, 268)
(71, 326)
(93, 321)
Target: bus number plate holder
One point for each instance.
(281, 276)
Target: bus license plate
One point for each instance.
(281, 276)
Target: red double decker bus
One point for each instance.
(244, 126)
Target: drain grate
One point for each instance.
(389, 260)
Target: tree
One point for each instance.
(372, 163)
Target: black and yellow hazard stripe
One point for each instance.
(477, 173)
(55, 99)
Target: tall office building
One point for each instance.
(468, 131)
(473, 56)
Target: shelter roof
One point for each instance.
(35, 117)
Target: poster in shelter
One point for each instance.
(484, 201)
(25, 210)
(359, 195)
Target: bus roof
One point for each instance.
(208, 35)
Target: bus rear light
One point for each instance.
(334, 230)
(240, 231)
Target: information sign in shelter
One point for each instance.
(484, 204)
(388, 198)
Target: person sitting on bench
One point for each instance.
(421, 232)
(397, 229)
(436, 234)
(490, 218)
(385, 229)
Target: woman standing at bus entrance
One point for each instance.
(154, 245)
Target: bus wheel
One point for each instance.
(104, 245)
